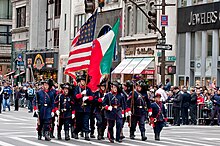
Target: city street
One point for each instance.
(18, 129)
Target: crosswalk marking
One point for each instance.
(28, 141)
(62, 143)
(5, 120)
(91, 142)
(197, 141)
(146, 142)
(19, 119)
(5, 144)
(189, 142)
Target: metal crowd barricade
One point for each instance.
(169, 107)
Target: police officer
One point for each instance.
(65, 110)
(99, 111)
(158, 117)
(186, 98)
(177, 102)
(115, 106)
(43, 105)
(83, 98)
(136, 108)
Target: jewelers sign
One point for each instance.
(198, 17)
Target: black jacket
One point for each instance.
(177, 100)
(186, 99)
(193, 99)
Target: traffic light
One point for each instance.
(152, 13)
(89, 6)
(101, 3)
(171, 70)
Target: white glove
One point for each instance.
(58, 112)
(84, 92)
(110, 108)
(52, 114)
(105, 94)
(128, 113)
(123, 115)
(73, 116)
(85, 98)
(150, 114)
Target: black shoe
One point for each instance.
(59, 136)
(119, 141)
(132, 136)
(111, 140)
(76, 136)
(51, 135)
(87, 136)
(157, 136)
(143, 136)
(82, 134)
(39, 136)
(122, 137)
(67, 137)
(92, 136)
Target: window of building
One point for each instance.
(5, 9)
(21, 17)
(5, 34)
(140, 21)
(57, 8)
(56, 38)
(209, 53)
(79, 20)
(182, 3)
(129, 22)
(110, 1)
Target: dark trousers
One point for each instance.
(111, 124)
(64, 121)
(176, 115)
(158, 127)
(140, 120)
(185, 115)
(192, 113)
(82, 122)
(44, 124)
(52, 124)
(215, 112)
(92, 123)
(16, 104)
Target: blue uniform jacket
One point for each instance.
(97, 105)
(158, 111)
(216, 100)
(66, 105)
(118, 104)
(141, 102)
(79, 105)
(44, 101)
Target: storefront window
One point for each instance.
(209, 53)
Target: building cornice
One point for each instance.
(20, 29)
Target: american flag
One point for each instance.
(81, 48)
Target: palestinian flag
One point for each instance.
(101, 56)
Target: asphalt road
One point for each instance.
(19, 129)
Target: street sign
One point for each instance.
(171, 58)
(164, 47)
(161, 41)
(164, 20)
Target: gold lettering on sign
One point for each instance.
(49, 60)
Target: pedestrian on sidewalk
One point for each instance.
(31, 94)
(1, 98)
(17, 97)
(6, 96)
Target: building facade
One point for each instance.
(198, 47)
(138, 43)
(5, 38)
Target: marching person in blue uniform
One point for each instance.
(127, 88)
(136, 108)
(65, 110)
(6, 96)
(43, 105)
(158, 117)
(115, 106)
(83, 98)
(99, 111)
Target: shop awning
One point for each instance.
(122, 65)
(132, 65)
(142, 65)
(8, 74)
(15, 76)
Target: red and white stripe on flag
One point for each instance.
(79, 59)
